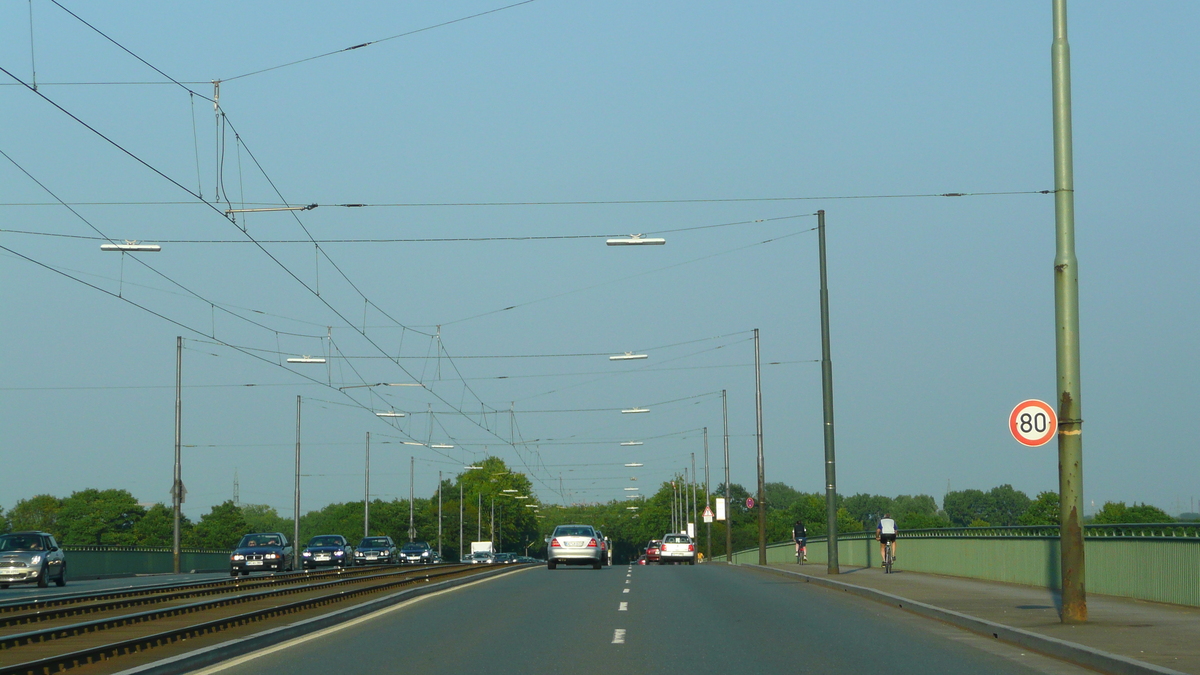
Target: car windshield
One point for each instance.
(677, 539)
(574, 531)
(373, 542)
(415, 547)
(21, 542)
(259, 540)
(326, 541)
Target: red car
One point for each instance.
(652, 551)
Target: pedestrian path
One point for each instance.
(1160, 634)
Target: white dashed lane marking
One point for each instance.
(624, 607)
(625, 591)
(626, 581)
(618, 636)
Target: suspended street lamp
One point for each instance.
(389, 413)
(628, 356)
(634, 464)
(636, 240)
(629, 411)
(306, 359)
(630, 443)
(131, 247)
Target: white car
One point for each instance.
(574, 545)
(677, 548)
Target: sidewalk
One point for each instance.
(1159, 634)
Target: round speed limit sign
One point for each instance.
(1033, 423)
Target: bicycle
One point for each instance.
(888, 557)
(801, 552)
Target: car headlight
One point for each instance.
(339, 553)
(272, 556)
(358, 554)
(425, 554)
(237, 556)
(306, 554)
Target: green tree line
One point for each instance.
(114, 518)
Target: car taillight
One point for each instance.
(554, 543)
(592, 544)
(691, 547)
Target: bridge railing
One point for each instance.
(1150, 561)
(85, 562)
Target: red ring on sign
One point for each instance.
(1051, 427)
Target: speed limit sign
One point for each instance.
(1033, 423)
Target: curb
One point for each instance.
(208, 656)
(1068, 651)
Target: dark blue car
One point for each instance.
(327, 550)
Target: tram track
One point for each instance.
(105, 641)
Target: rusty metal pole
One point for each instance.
(1066, 320)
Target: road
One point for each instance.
(25, 592)
(706, 618)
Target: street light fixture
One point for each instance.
(389, 413)
(633, 489)
(634, 464)
(630, 443)
(306, 359)
(472, 467)
(636, 240)
(441, 446)
(382, 384)
(310, 207)
(629, 411)
(628, 356)
(131, 247)
(510, 490)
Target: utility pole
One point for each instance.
(762, 507)
(479, 516)
(500, 532)
(728, 503)
(177, 484)
(412, 531)
(296, 503)
(367, 491)
(460, 519)
(827, 407)
(707, 488)
(1066, 320)
(492, 525)
(439, 514)
(695, 518)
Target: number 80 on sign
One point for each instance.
(1033, 423)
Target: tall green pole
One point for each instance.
(762, 503)
(827, 405)
(1066, 320)
(728, 503)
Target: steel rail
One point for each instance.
(59, 632)
(61, 662)
(41, 603)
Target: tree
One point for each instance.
(264, 518)
(99, 517)
(1007, 505)
(36, 513)
(965, 506)
(219, 529)
(1115, 513)
(157, 527)
(867, 508)
(1042, 511)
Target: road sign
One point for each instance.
(708, 515)
(1033, 423)
(749, 502)
(720, 508)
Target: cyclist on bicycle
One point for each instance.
(800, 536)
(885, 533)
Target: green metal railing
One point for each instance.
(114, 561)
(1155, 561)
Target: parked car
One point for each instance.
(262, 551)
(416, 553)
(330, 550)
(376, 551)
(573, 545)
(652, 551)
(677, 548)
(29, 557)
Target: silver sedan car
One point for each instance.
(677, 548)
(573, 545)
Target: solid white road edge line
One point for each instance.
(618, 636)
(333, 629)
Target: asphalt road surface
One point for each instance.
(703, 618)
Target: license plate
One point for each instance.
(254, 562)
(322, 557)
(372, 557)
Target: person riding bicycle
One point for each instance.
(885, 533)
(800, 536)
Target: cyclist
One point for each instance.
(885, 532)
(800, 536)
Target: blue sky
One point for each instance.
(658, 116)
